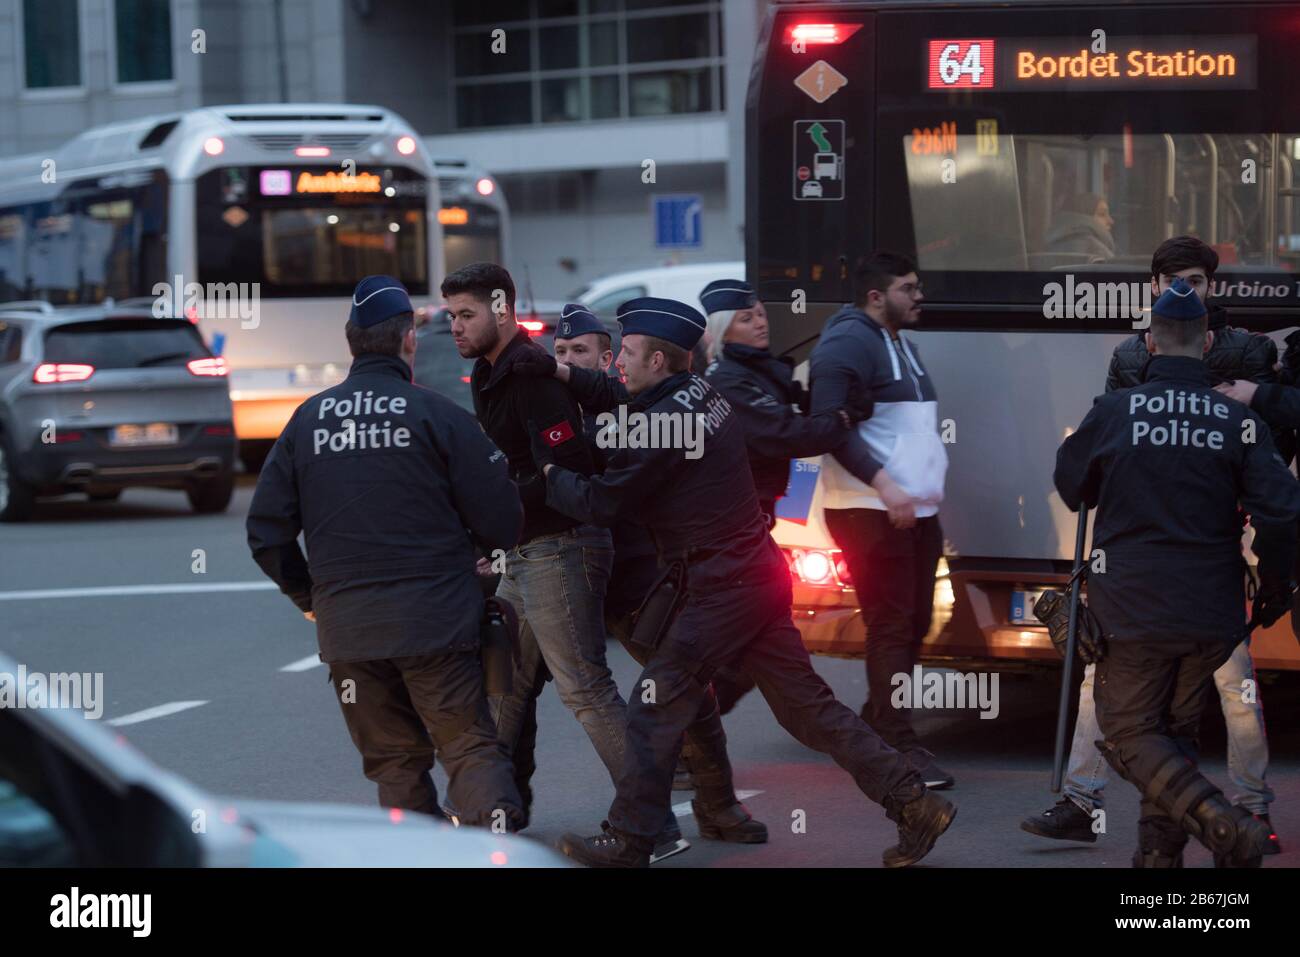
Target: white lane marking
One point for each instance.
(304, 664)
(148, 714)
(113, 590)
(684, 809)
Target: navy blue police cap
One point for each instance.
(378, 298)
(666, 319)
(576, 320)
(727, 294)
(1180, 303)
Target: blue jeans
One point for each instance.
(1088, 771)
(557, 584)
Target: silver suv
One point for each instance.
(99, 398)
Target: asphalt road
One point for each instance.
(114, 588)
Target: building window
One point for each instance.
(144, 41)
(51, 43)
(568, 61)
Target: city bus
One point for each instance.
(255, 221)
(474, 216)
(968, 135)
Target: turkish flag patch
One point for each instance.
(558, 434)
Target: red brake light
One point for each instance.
(819, 567)
(67, 436)
(533, 326)
(48, 372)
(815, 33)
(212, 366)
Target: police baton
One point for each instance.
(1071, 640)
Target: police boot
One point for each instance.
(922, 817)
(1233, 834)
(610, 848)
(718, 813)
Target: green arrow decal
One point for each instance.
(818, 133)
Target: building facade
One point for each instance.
(584, 110)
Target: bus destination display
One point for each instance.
(1027, 64)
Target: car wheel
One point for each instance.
(17, 498)
(212, 495)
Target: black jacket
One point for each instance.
(1167, 523)
(762, 390)
(392, 500)
(704, 509)
(1235, 354)
(505, 404)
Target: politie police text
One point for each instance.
(1177, 431)
(365, 435)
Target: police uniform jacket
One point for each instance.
(703, 510)
(1166, 464)
(762, 390)
(393, 487)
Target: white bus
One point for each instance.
(274, 211)
(474, 216)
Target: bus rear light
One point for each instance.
(406, 145)
(819, 33)
(214, 365)
(214, 146)
(819, 567)
(485, 187)
(533, 326)
(312, 151)
(50, 372)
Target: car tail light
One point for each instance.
(218, 430)
(48, 372)
(819, 567)
(68, 436)
(215, 365)
(464, 378)
(533, 326)
(819, 33)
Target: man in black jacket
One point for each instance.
(557, 575)
(394, 487)
(1167, 465)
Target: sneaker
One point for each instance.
(1064, 821)
(920, 823)
(1274, 846)
(610, 848)
(935, 777)
(669, 842)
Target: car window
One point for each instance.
(606, 306)
(125, 343)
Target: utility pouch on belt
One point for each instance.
(499, 635)
(656, 615)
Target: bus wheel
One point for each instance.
(17, 498)
(253, 453)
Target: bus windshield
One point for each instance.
(307, 233)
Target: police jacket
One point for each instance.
(1235, 354)
(1166, 464)
(393, 487)
(508, 406)
(856, 363)
(762, 390)
(703, 510)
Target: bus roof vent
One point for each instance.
(154, 138)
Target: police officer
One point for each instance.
(394, 487)
(582, 342)
(1166, 463)
(737, 597)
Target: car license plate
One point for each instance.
(155, 433)
(1022, 606)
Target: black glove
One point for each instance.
(1271, 603)
(534, 362)
(543, 454)
(1053, 610)
(860, 408)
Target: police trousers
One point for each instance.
(749, 626)
(1150, 697)
(399, 710)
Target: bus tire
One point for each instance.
(213, 495)
(17, 498)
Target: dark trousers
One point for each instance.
(893, 575)
(748, 625)
(399, 710)
(1150, 696)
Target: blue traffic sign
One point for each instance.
(678, 220)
